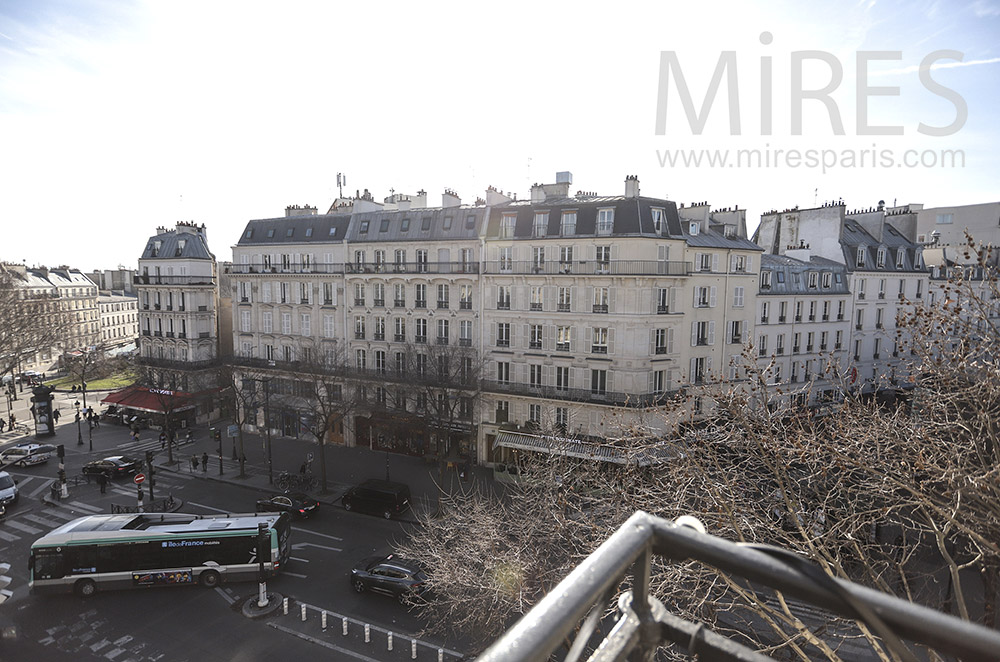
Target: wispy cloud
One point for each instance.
(937, 65)
(985, 9)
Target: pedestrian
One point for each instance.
(3, 424)
(163, 440)
(102, 480)
(194, 463)
(13, 421)
(55, 416)
(97, 420)
(204, 462)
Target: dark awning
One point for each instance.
(152, 401)
(579, 449)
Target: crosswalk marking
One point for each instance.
(86, 506)
(41, 520)
(27, 528)
(61, 514)
(9, 537)
(44, 486)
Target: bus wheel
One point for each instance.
(85, 588)
(209, 579)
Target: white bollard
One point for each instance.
(368, 633)
(345, 627)
(303, 613)
(323, 619)
(440, 655)
(389, 642)
(284, 606)
(413, 649)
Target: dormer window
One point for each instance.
(289, 232)
(425, 224)
(384, 227)
(880, 258)
(540, 225)
(860, 263)
(270, 233)
(657, 220)
(507, 226)
(447, 223)
(404, 225)
(181, 243)
(333, 232)
(567, 226)
(470, 222)
(605, 221)
(364, 228)
(900, 258)
(693, 228)
(249, 233)
(309, 232)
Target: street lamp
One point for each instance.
(79, 431)
(90, 434)
(267, 427)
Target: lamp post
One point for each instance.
(79, 431)
(267, 426)
(90, 434)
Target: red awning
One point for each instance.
(153, 401)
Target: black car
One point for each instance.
(378, 497)
(295, 503)
(116, 465)
(389, 575)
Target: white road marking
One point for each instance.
(9, 537)
(292, 574)
(22, 527)
(225, 596)
(39, 490)
(198, 505)
(303, 545)
(61, 514)
(321, 535)
(43, 521)
(85, 506)
(295, 558)
(320, 642)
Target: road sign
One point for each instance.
(233, 430)
(138, 478)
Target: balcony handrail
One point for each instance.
(645, 624)
(590, 267)
(153, 279)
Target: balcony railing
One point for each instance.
(535, 344)
(178, 364)
(151, 279)
(465, 305)
(562, 308)
(399, 303)
(442, 340)
(662, 310)
(600, 307)
(575, 394)
(590, 268)
(465, 342)
(644, 624)
(378, 303)
(414, 267)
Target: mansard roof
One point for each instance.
(324, 229)
(424, 224)
(633, 216)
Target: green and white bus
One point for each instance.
(130, 551)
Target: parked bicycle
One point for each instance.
(288, 482)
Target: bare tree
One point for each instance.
(903, 497)
(31, 322)
(87, 364)
(240, 384)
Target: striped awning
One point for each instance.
(576, 448)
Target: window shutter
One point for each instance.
(712, 296)
(749, 264)
(649, 382)
(611, 299)
(611, 342)
(711, 332)
(694, 300)
(673, 299)
(732, 263)
(610, 382)
(493, 335)
(588, 339)
(652, 341)
(694, 334)
(715, 261)
(670, 340)
(692, 370)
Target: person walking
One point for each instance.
(55, 416)
(194, 463)
(102, 480)
(163, 440)
(204, 462)
(3, 424)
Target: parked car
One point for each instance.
(8, 489)
(295, 503)
(24, 455)
(389, 575)
(378, 497)
(116, 465)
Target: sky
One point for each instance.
(118, 117)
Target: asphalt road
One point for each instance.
(190, 623)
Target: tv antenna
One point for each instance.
(341, 183)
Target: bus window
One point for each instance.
(48, 566)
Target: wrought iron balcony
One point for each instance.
(573, 609)
(590, 268)
(550, 392)
(152, 279)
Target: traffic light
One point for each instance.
(216, 434)
(60, 451)
(5, 581)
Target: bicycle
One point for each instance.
(288, 482)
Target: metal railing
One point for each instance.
(644, 624)
(590, 268)
(152, 279)
(593, 396)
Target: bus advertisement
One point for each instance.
(101, 552)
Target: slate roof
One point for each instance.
(854, 237)
(713, 239)
(430, 224)
(195, 246)
(324, 229)
(795, 281)
(633, 216)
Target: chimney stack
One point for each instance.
(632, 186)
(450, 199)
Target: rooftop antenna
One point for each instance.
(815, 196)
(341, 183)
